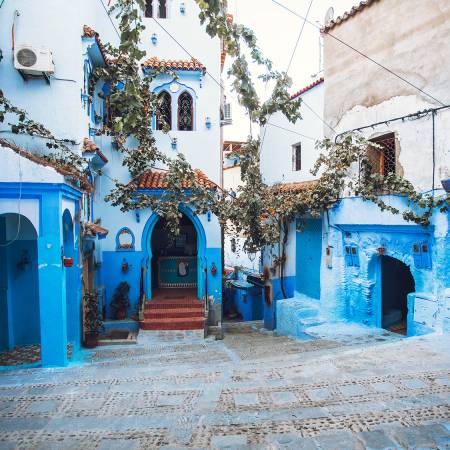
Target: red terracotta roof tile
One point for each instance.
(294, 188)
(91, 147)
(88, 32)
(157, 180)
(62, 169)
(355, 10)
(156, 63)
(307, 88)
(94, 229)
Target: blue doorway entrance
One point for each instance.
(308, 258)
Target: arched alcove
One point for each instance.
(200, 250)
(19, 282)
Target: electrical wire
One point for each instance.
(299, 36)
(319, 116)
(292, 131)
(109, 17)
(359, 52)
(290, 62)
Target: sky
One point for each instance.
(277, 31)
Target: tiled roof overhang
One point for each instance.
(88, 32)
(347, 15)
(294, 188)
(307, 88)
(154, 179)
(62, 169)
(188, 65)
(91, 147)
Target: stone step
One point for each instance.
(174, 304)
(161, 313)
(195, 323)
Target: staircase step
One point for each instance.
(195, 323)
(174, 305)
(161, 313)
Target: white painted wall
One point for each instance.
(58, 26)
(276, 151)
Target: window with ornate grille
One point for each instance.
(164, 116)
(162, 9)
(383, 158)
(297, 157)
(148, 8)
(185, 112)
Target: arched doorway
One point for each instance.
(19, 282)
(397, 282)
(174, 262)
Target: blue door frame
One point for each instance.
(201, 250)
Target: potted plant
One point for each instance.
(121, 300)
(92, 319)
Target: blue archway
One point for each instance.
(201, 250)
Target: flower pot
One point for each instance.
(121, 314)
(68, 262)
(446, 184)
(91, 339)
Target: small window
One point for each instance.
(185, 112)
(297, 157)
(149, 8)
(383, 158)
(164, 116)
(162, 9)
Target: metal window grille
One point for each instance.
(383, 158)
(149, 8)
(296, 157)
(185, 112)
(164, 115)
(162, 9)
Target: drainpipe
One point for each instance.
(433, 116)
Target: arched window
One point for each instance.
(148, 8)
(164, 116)
(162, 9)
(185, 112)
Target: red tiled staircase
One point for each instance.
(174, 309)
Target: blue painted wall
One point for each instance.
(20, 324)
(23, 294)
(110, 275)
(270, 319)
(308, 258)
(3, 289)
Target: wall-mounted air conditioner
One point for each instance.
(34, 61)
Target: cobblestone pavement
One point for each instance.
(251, 390)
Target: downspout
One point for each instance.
(433, 116)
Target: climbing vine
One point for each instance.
(19, 123)
(261, 213)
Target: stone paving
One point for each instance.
(252, 390)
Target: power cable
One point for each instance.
(229, 93)
(292, 131)
(319, 116)
(290, 62)
(299, 36)
(359, 52)
(110, 19)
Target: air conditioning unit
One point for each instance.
(34, 61)
(227, 118)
